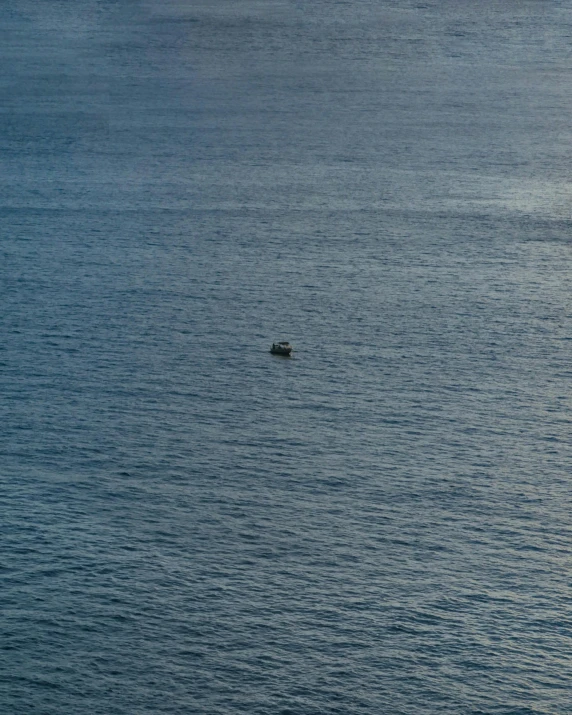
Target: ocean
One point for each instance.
(380, 524)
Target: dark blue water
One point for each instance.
(380, 524)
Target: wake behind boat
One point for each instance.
(282, 348)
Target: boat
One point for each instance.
(282, 348)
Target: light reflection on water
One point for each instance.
(380, 523)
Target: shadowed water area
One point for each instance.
(380, 523)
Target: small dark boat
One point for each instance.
(283, 348)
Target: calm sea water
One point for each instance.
(380, 524)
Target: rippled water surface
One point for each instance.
(379, 524)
